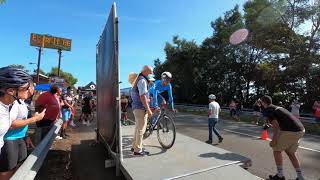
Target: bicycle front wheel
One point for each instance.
(166, 132)
(148, 131)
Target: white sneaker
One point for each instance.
(88, 123)
(59, 138)
(72, 124)
(83, 122)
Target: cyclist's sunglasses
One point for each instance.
(166, 80)
(26, 87)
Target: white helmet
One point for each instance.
(166, 75)
(212, 97)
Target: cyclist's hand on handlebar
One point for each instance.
(157, 110)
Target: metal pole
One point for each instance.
(59, 52)
(38, 65)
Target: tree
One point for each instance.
(19, 66)
(68, 77)
(41, 71)
(276, 58)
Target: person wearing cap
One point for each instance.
(15, 86)
(141, 109)
(287, 130)
(213, 114)
(161, 86)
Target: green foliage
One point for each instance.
(69, 78)
(19, 66)
(276, 58)
(41, 71)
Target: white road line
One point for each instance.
(301, 147)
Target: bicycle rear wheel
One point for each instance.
(166, 132)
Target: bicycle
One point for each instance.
(165, 127)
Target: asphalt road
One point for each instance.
(242, 138)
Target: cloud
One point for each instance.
(142, 20)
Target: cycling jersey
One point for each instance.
(20, 112)
(156, 89)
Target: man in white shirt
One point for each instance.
(213, 114)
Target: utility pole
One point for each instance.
(38, 65)
(59, 52)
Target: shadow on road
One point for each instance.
(127, 144)
(226, 156)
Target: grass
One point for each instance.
(311, 128)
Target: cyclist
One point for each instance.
(159, 87)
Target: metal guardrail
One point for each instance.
(307, 118)
(29, 169)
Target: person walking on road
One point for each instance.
(213, 114)
(141, 109)
(316, 108)
(238, 109)
(295, 108)
(257, 111)
(232, 108)
(287, 131)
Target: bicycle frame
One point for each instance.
(161, 114)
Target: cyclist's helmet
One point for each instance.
(212, 97)
(13, 77)
(167, 76)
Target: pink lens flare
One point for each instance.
(238, 36)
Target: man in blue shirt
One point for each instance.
(160, 86)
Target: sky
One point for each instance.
(144, 28)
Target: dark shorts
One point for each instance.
(232, 112)
(317, 119)
(13, 153)
(238, 112)
(86, 110)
